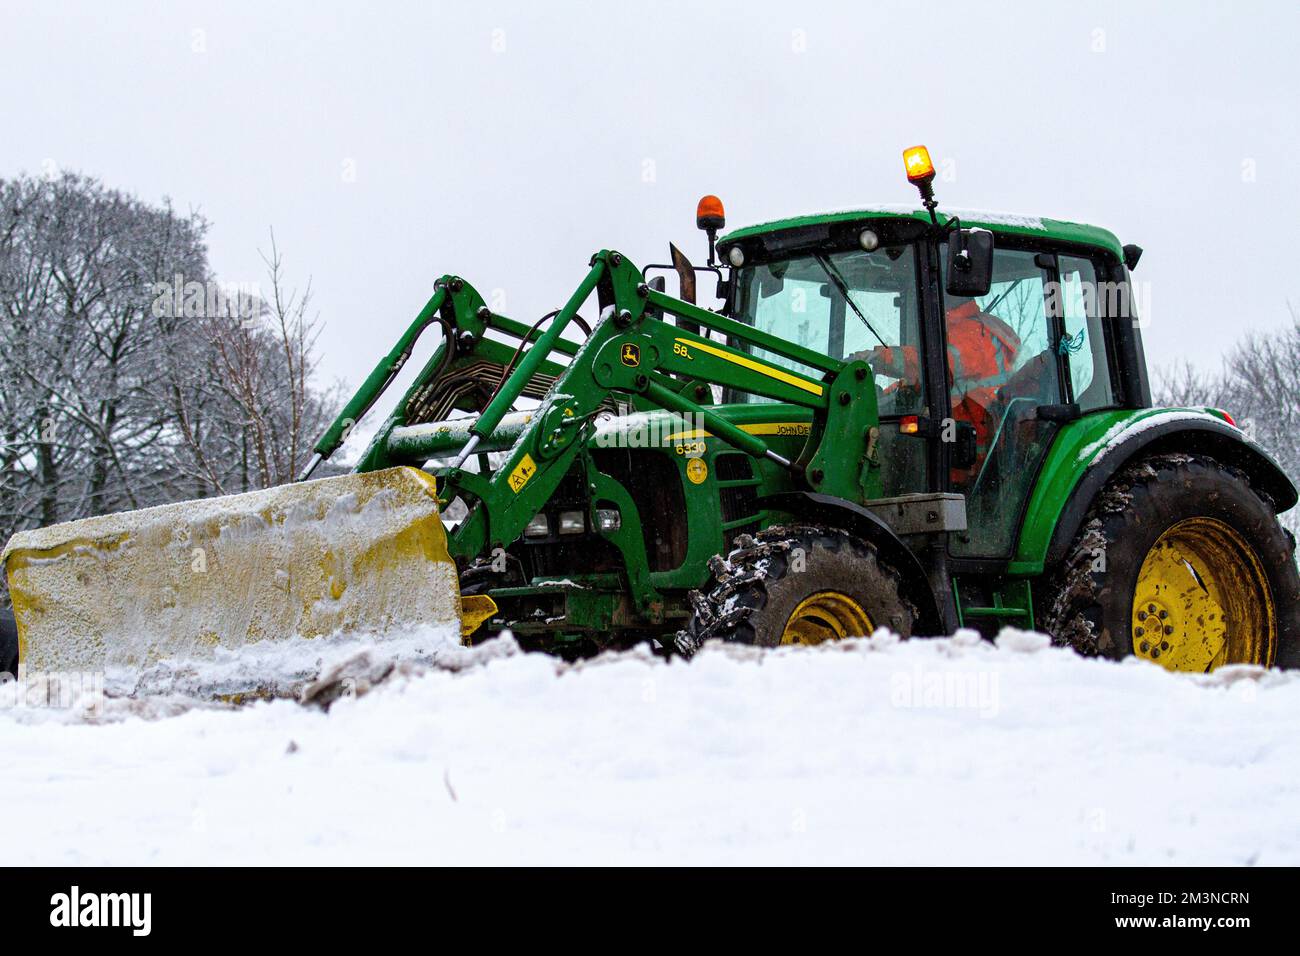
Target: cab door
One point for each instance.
(1004, 362)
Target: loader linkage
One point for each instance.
(633, 358)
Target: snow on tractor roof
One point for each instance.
(1009, 223)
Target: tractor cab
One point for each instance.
(972, 380)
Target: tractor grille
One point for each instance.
(652, 480)
(738, 502)
(732, 466)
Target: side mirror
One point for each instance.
(970, 262)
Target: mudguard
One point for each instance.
(1083, 461)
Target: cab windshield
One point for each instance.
(853, 304)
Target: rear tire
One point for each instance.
(1182, 562)
(796, 584)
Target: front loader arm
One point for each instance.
(462, 370)
(843, 400)
(634, 353)
(544, 451)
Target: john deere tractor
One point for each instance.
(824, 454)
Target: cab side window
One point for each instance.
(1085, 340)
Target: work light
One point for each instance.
(709, 214)
(920, 173)
(916, 160)
(710, 217)
(572, 522)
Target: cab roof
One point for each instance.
(999, 223)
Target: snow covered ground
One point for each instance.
(875, 752)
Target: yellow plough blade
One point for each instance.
(361, 552)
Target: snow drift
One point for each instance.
(873, 751)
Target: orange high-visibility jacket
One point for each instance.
(982, 352)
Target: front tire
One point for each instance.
(797, 584)
(1182, 563)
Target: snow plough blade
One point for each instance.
(360, 552)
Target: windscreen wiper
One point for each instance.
(838, 280)
(998, 301)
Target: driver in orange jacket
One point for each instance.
(982, 352)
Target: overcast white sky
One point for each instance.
(388, 143)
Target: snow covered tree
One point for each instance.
(128, 376)
(1259, 385)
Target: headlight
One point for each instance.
(608, 519)
(868, 240)
(539, 527)
(736, 256)
(572, 522)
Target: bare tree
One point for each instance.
(1184, 385)
(127, 377)
(76, 345)
(1263, 387)
(262, 367)
(1259, 385)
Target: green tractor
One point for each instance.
(896, 418)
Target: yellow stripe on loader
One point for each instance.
(360, 552)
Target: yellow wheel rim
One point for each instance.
(1202, 599)
(826, 616)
